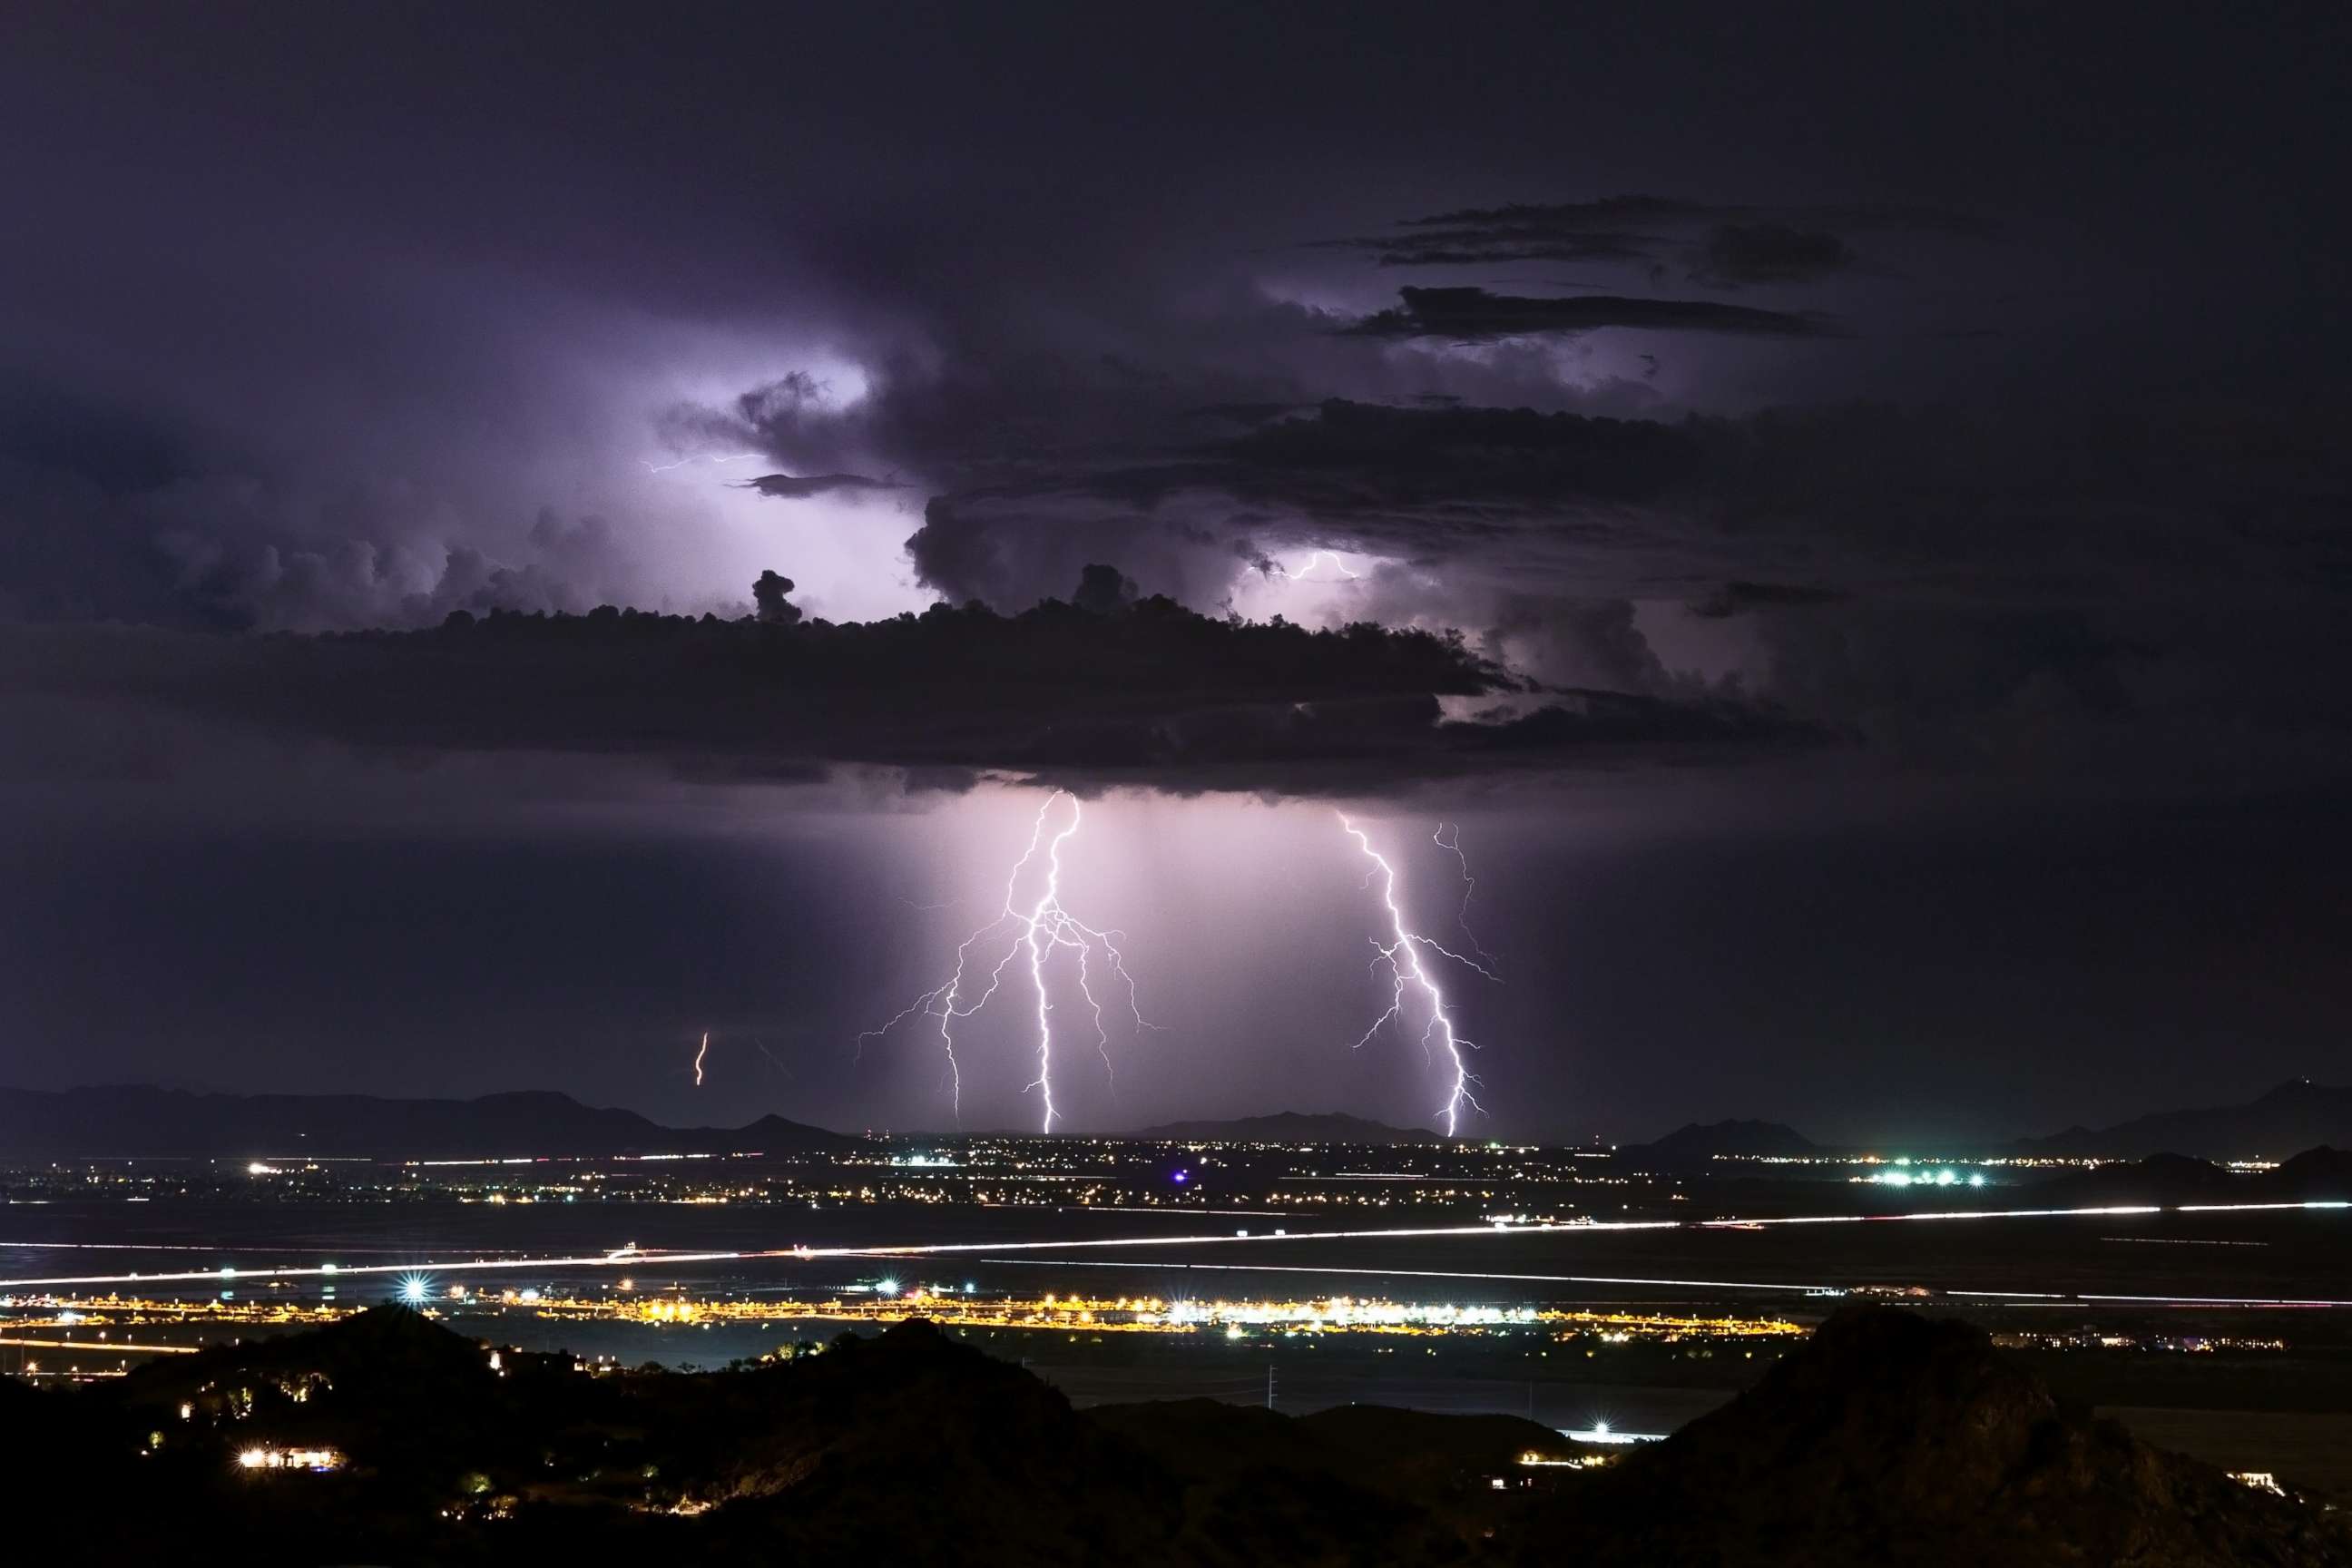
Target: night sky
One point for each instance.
(1886, 467)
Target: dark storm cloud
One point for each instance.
(1737, 253)
(1738, 598)
(2090, 595)
(1718, 246)
(338, 317)
(800, 487)
(1471, 315)
(1426, 483)
(1108, 690)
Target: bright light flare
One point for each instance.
(415, 1288)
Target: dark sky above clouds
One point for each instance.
(1881, 469)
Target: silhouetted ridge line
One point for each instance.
(137, 1121)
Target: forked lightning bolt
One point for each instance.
(1403, 953)
(1337, 565)
(1037, 929)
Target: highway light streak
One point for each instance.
(652, 1259)
(1415, 1274)
(100, 1345)
(2060, 1298)
(1935, 1213)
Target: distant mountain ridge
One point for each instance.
(133, 1121)
(2299, 1114)
(1291, 1127)
(1696, 1144)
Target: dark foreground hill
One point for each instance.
(2314, 1175)
(1887, 1440)
(136, 1122)
(1895, 1439)
(907, 1447)
(2300, 1114)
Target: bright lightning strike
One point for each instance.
(1403, 952)
(1037, 929)
(699, 1054)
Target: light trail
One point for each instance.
(1406, 1273)
(1041, 928)
(2075, 1298)
(100, 1345)
(1403, 952)
(216, 1249)
(1927, 1215)
(646, 1259)
(341, 1271)
(2213, 1301)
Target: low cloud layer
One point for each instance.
(1108, 690)
(1470, 315)
(1722, 247)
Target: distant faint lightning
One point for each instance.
(1469, 886)
(1337, 565)
(698, 1058)
(1042, 926)
(1403, 952)
(701, 458)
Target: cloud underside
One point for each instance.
(804, 487)
(1719, 247)
(1149, 695)
(1475, 315)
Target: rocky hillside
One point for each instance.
(1887, 1440)
(1895, 1439)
